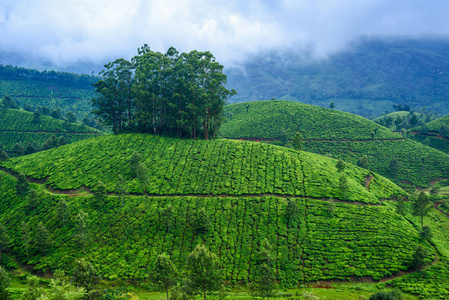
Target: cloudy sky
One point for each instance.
(65, 32)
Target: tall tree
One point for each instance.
(264, 282)
(167, 215)
(421, 206)
(142, 176)
(203, 270)
(401, 207)
(82, 234)
(164, 272)
(291, 210)
(26, 237)
(343, 184)
(4, 283)
(297, 142)
(121, 188)
(33, 199)
(5, 240)
(85, 275)
(340, 165)
(22, 186)
(63, 211)
(100, 195)
(42, 239)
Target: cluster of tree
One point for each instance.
(401, 107)
(180, 94)
(81, 81)
(411, 120)
(8, 102)
(33, 147)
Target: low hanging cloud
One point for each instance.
(64, 32)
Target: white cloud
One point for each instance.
(67, 31)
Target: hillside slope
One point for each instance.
(17, 126)
(70, 92)
(242, 188)
(341, 134)
(367, 78)
(434, 134)
(226, 167)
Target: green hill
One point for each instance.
(17, 126)
(244, 188)
(340, 134)
(434, 134)
(70, 92)
(227, 168)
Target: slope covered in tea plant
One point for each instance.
(340, 134)
(70, 92)
(17, 126)
(434, 134)
(189, 167)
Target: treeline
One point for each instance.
(82, 81)
(56, 113)
(176, 94)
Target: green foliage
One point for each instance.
(25, 237)
(297, 141)
(42, 239)
(174, 94)
(33, 199)
(350, 138)
(5, 240)
(28, 131)
(22, 186)
(217, 167)
(121, 188)
(393, 295)
(84, 275)
(100, 195)
(4, 283)
(292, 211)
(34, 291)
(82, 229)
(419, 258)
(421, 205)
(264, 282)
(164, 272)
(203, 270)
(201, 223)
(63, 210)
(401, 207)
(340, 165)
(425, 233)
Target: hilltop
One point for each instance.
(242, 187)
(17, 126)
(342, 135)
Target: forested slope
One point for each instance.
(339, 134)
(17, 126)
(241, 188)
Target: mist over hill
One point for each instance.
(366, 79)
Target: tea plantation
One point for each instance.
(340, 134)
(434, 134)
(189, 167)
(17, 126)
(242, 188)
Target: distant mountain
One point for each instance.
(366, 79)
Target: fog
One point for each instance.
(70, 32)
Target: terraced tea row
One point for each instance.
(17, 126)
(351, 241)
(340, 134)
(187, 167)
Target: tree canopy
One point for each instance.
(179, 94)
